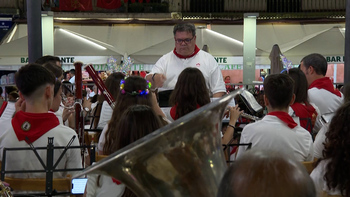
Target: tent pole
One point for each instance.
(347, 44)
(34, 30)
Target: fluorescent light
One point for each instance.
(225, 37)
(83, 39)
(12, 34)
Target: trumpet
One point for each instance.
(5, 191)
(250, 117)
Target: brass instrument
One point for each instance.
(184, 158)
(250, 117)
(5, 191)
(79, 116)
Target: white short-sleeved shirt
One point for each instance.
(326, 101)
(171, 66)
(272, 134)
(319, 140)
(26, 160)
(320, 184)
(107, 187)
(105, 115)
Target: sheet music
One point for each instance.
(250, 101)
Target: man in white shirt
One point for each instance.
(186, 53)
(277, 131)
(321, 90)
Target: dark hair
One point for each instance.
(279, 90)
(1, 91)
(185, 27)
(190, 92)
(136, 122)
(317, 61)
(346, 92)
(9, 89)
(47, 58)
(123, 102)
(112, 84)
(266, 173)
(32, 76)
(300, 85)
(56, 70)
(72, 71)
(336, 147)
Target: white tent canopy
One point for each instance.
(147, 43)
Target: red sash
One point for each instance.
(285, 117)
(304, 112)
(3, 107)
(33, 125)
(326, 84)
(196, 50)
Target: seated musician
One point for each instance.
(35, 124)
(307, 113)
(262, 173)
(277, 130)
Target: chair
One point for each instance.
(308, 165)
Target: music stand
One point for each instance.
(250, 101)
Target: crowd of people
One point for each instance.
(182, 81)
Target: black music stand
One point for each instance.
(48, 169)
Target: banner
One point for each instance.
(71, 5)
(109, 4)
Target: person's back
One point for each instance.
(277, 130)
(321, 90)
(35, 125)
(266, 174)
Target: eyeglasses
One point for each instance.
(187, 40)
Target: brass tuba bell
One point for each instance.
(184, 158)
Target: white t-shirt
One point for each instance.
(102, 140)
(26, 160)
(319, 140)
(171, 66)
(105, 115)
(271, 133)
(320, 184)
(107, 187)
(326, 101)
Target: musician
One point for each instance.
(165, 72)
(35, 124)
(136, 122)
(321, 90)
(105, 111)
(277, 130)
(307, 113)
(262, 173)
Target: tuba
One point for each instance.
(184, 158)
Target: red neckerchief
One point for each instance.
(33, 125)
(325, 83)
(304, 112)
(285, 117)
(173, 114)
(196, 50)
(116, 181)
(3, 107)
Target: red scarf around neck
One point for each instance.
(173, 114)
(325, 83)
(33, 125)
(196, 50)
(285, 117)
(304, 112)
